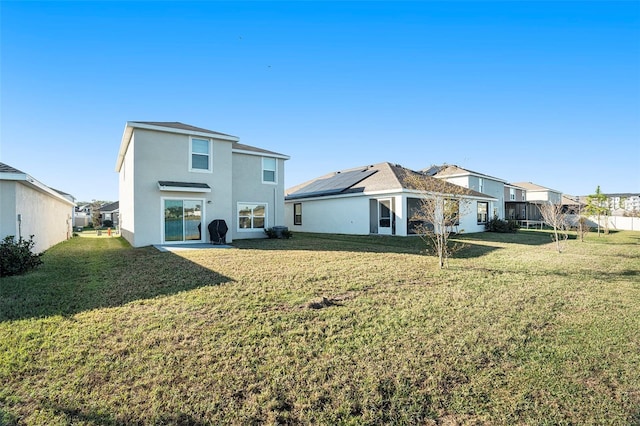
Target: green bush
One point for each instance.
(107, 224)
(281, 233)
(501, 226)
(17, 257)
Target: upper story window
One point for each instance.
(512, 194)
(480, 185)
(269, 170)
(200, 158)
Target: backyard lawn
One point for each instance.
(325, 329)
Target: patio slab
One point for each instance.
(193, 246)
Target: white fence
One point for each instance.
(619, 223)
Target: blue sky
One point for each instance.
(547, 92)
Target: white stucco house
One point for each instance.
(175, 179)
(29, 207)
(480, 182)
(374, 199)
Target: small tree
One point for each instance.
(95, 213)
(437, 216)
(582, 227)
(597, 206)
(554, 217)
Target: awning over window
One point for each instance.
(166, 185)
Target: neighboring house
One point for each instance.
(110, 212)
(29, 207)
(484, 184)
(537, 195)
(365, 200)
(82, 216)
(515, 204)
(175, 179)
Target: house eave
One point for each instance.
(261, 154)
(35, 184)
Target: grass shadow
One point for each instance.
(84, 274)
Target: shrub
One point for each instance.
(107, 224)
(502, 226)
(17, 257)
(278, 233)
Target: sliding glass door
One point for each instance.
(182, 220)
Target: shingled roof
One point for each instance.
(372, 178)
(5, 168)
(180, 126)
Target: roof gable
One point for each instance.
(454, 170)
(530, 186)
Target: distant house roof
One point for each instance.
(529, 186)
(373, 178)
(569, 200)
(110, 207)
(453, 170)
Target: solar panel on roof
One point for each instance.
(334, 184)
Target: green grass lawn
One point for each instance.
(325, 329)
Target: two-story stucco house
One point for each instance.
(485, 184)
(175, 179)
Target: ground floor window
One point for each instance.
(182, 220)
(297, 214)
(251, 215)
(483, 208)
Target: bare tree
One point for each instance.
(582, 227)
(441, 204)
(553, 216)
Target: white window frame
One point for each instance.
(512, 194)
(209, 169)
(203, 228)
(486, 219)
(297, 216)
(252, 229)
(275, 171)
(481, 185)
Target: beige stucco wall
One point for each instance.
(125, 194)
(248, 188)
(46, 217)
